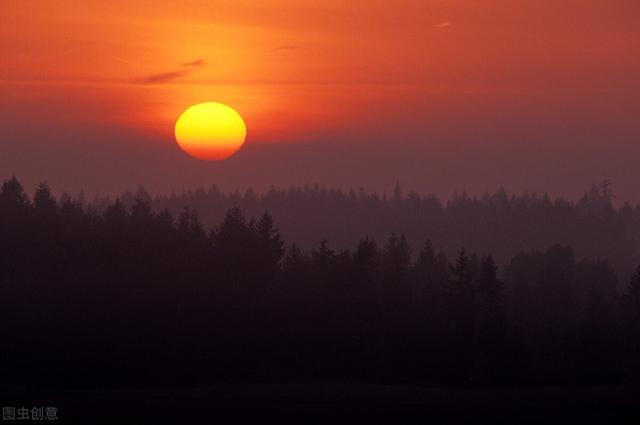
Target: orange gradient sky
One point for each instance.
(426, 77)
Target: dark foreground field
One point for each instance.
(333, 403)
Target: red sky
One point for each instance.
(439, 95)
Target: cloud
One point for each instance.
(196, 63)
(163, 77)
(169, 76)
(286, 47)
(445, 24)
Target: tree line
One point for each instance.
(501, 223)
(127, 294)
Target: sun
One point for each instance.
(210, 131)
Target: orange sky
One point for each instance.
(404, 71)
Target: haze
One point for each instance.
(436, 95)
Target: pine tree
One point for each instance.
(366, 262)
(490, 293)
(141, 209)
(461, 318)
(631, 300)
(43, 201)
(397, 194)
(294, 264)
(460, 288)
(366, 258)
(190, 226)
(492, 343)
(12, 194)
(233, 229)
(432, 269)
(116, 214)
(396, 258)
(270, 240)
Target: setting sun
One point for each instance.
(210, 131)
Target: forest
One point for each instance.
(203, 288)
(499, 223)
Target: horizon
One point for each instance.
(386, 195)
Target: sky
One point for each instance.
(438, 95)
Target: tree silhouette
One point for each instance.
(492, 335)
(271, 246)
(43, 202)
(490, 294)
(460, 310)
(396, 259)
(631, 322)
(460, 287)
(134, 293)
(632, 298)
(12, 194)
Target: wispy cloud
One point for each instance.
(163, 77)
(445, 24)
(169, 76)
(286, 47)
(196, 63)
